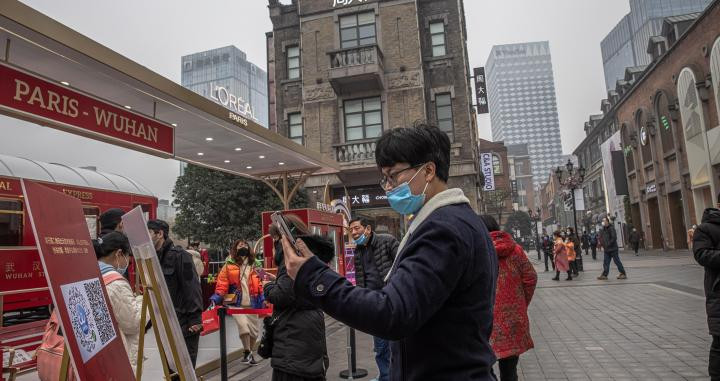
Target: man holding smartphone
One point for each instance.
(437, 303)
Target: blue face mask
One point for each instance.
(361, 240)
(403, 201)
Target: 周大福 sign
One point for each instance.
(480, 90)
(62, 107)
(486, 168)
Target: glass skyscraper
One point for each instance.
(523, 108)
(228, 78)
(626, 44)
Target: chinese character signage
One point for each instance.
(481, 99)
(486, 167)
(362, 197)
(78, 292)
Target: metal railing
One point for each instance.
(355, 152)
(362, 55)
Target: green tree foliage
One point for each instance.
(218, 208)
(521, 222)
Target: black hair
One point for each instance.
(110, 242)
(416, 146)
(364, 221)
(159, 225)
(557, 233)
(111, 218)
(490, 222)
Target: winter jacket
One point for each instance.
(570, 246)
(382, 249)
(229, 278)
(515, 287)
(608, 239)
(593, 239)
(561, 257)
(437, 304)
(547, 245)
(197, 262)
(183, 285)
(585, 239)
(126, 307)
(635, 237)
(299, 346)
(706, 248)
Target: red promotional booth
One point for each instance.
(326, 224)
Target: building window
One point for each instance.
(357, 29)
(437, 37)
(293, 62)
(443, 108)
(11, 219)
(295, 128)
(497, 168)
(363, 118)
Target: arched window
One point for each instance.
(664, 122)
(643, 136)
(715, 72)
(497, 165)
(693, 123)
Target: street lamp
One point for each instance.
(571, 182)
(536, 219)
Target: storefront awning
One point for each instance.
(47, 65)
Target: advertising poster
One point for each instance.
(76, 286)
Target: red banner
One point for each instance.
(44, 101)
(78, 292)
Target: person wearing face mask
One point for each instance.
(436, 306)
(374, 255)
(608, 240)
(182, 284)
(238, 277)
(113, 254)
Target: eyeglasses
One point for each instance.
(391, 180)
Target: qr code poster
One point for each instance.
(89, 316)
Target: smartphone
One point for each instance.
(278, 220)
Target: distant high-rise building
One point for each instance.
(228, 78)
(523, 109)
(626, 44)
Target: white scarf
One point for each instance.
(447, 197)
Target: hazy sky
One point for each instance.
(156, 33)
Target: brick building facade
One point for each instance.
(341, 72)
(667, 117)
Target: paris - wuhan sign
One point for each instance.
(78, 292)
(46, 102)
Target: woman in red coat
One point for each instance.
(515, 287)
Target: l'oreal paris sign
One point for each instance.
(231, 101)
(343, 3)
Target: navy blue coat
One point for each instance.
(437, 305)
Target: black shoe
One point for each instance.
(252, 360)
(546, 270)
(569, 278)
(246, 358)
(556, 278)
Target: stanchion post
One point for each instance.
(352, 372)
(223, 345)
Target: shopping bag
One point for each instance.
(210, 320)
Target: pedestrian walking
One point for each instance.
(113, 254)
(706, 249)
(593, 245)
(560, 257)
(585, 242)
(374, 255)
(238, 284)
(578, 250)
(635, 238)
(299, 350)
(571, 255)
(608, 240)
(182, 283)
(436, 306)
(547, 245)
(516, 284)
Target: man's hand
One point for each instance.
(196, 328)
(293, 261)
